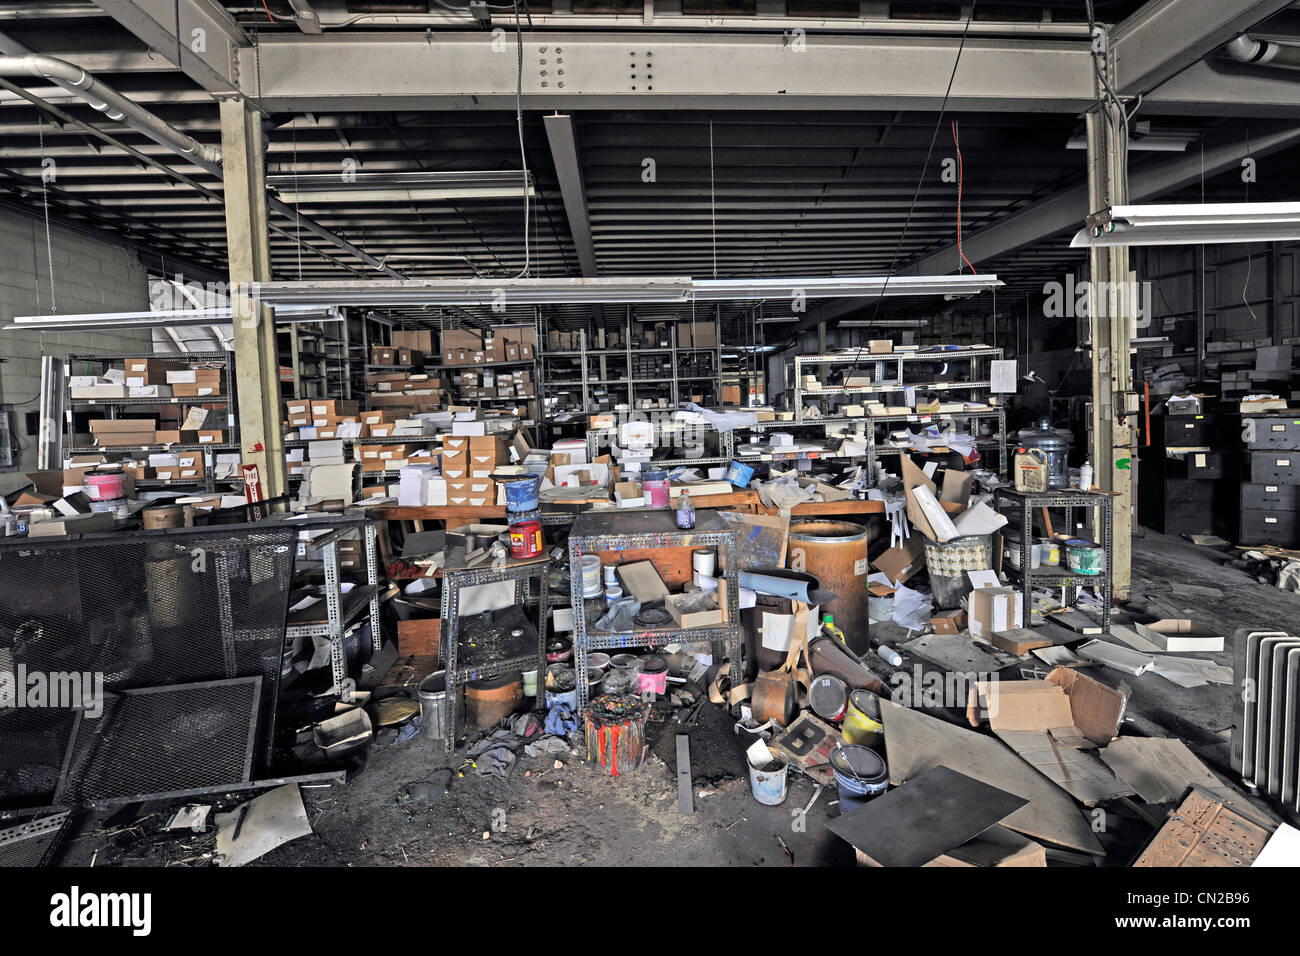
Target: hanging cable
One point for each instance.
(957, 145)
(45, 203)
(713, 203)
(519, 124)
(920, 180)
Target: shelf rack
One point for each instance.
(604, 533)
(889, 376)
(227, 397)
(343, 611)
(463, 665)
(1024, 503)
(599, 440)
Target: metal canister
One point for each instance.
(862, 723)
(1055, 445)
(836, 551)
(828, 696)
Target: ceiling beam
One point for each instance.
(197, 36)
(666, 71)
(1164, 37)
(1065, 210)
(568, 170)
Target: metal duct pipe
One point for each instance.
(111, 103)
(1246, 49)
(20, 61)
(306, 18)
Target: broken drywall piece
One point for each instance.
(1282, 848)
(1117, 656)
(257, 827)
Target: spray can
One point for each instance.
(1085, 477)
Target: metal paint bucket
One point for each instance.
(432, 692)
(521, 492)
(880, 607)
(860, 774)
(768, 784)
(947, 563)
(828, 696)
(862, 723)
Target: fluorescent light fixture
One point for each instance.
(399, 187)
(168, 318)
(1190, 224)
(779, 318)
(884, 323)
(488, 292)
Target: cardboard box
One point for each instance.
(880, 346)
(383, 355)
(1181, 634)
(176, 437)
(149, 371)
(419, 340)
(183, 390)
(689, 619)
(1056, 725)
(71, 524)
(211, 436)
(996, 609)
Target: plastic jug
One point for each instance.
(1031, 473)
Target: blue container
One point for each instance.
(860, 774)
(739, 474)
(521, 492)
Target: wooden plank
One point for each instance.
(918, 743)
(685, 795)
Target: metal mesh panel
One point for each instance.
(33, 744)
(165, 741)
(144, 609)
(31, 843)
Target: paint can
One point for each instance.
(618, 680)
(105, 485)
(526, 539)
(614, 725)
(1083, 557)
(613, 594)
(860, 774)
(162, 516)
(611, 575)
(880, 607)
(521, 493)
(705, 562)
(862, 724)
(629, 661)
(773, 697)
(768, 782)
(432, 694)
(561, 686)
(597, 661)
(828, 696)
(530, 683)
(653, 678)
(591, 586)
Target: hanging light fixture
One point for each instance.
(400, 187)
(1177, 224)
(165, 318)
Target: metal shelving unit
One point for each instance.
(596, 438)
(472, 661)
(1024, 503)
(340, 617)
(227, 397)
(596, 533)
(889, 376)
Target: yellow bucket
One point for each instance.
(862, 721)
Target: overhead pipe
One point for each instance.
(1246, 49)
(20, 61)
(307, 19)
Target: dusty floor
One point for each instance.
(576, 814)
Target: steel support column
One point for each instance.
(257, 364)
(1110, 319)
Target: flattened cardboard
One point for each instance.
(918, 742)
(1160, 769)
(1019, 641)
(1055, 724)
(900, 563)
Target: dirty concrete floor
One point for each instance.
(576, 814)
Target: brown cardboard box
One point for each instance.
(419, 637)
(176, 437)
(731, 395)
(151, 371)
(383, 355)
(195, 390)
(210, 436)
(419, 340)
(334, 408)
(880, 346)
(409, 357)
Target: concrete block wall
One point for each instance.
(90, 275)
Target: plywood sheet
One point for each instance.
(927, 816)
(957, 652)
(1160, 769)
(918, 743)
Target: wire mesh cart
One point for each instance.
(628, 536)
(1024, 504)
(491, 642)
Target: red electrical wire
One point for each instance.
(959, 187)
(270, 16)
